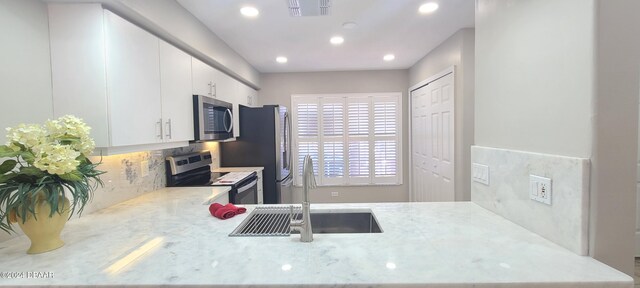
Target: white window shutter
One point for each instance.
(359, 146)
(305, 120)
(332, 139)
(386, 120)
(353, 139)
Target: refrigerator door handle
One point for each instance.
(289, 140)
(285, 153)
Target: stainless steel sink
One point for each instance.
(344, 222)
(274, 221)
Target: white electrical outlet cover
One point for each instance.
(540, 189)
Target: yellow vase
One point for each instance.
(44, 232)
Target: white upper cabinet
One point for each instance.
(203, 75)
(248, 96)
(176, 91)
(78, 66)
(133, 83)
(112, 74)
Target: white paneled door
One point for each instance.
(433, 140)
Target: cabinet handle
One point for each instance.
(215, 90)
(168, 135)
(159, 124)
(210, 84)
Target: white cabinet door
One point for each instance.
(248, 96)
(202, 78)
(78, 71)
(175, 81)
(224, 87)
(133, 83)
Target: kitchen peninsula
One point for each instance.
(167, 237)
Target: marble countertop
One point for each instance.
(237, 169)
(168, 237)
(215, 192)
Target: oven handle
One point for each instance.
(247, 187)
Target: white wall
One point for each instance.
(534, 69)
(561, 77)
(277, 88)
(176, 25)
(25, 70)
(457, 50)
(613, 177)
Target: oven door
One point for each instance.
(245, 192)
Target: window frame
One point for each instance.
(346, 99)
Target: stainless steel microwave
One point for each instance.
(213, 119)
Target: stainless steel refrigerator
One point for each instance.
(265, 141)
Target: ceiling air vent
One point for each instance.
(309, 7)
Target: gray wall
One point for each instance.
(25, 69)
(534, 66)
(277, 88)
(458, 51)
(613, 173)
(561, 77)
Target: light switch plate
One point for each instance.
(540, 189)
(480, 173)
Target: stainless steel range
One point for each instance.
(195, 170)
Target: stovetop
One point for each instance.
(228, 178)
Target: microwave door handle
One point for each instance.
(228, 112)
(247, 187)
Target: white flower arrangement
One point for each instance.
(48, 159)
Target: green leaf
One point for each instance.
(31, 171)
(72, 176)
(67, 140)
(5, 151)
(7, 177)
(28, 157)
(7, 166)
(83, 159)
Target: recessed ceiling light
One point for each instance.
(281, 59)
(249, 11)
(389, 57)
(349, 25)
(336, 40)
(428, 7)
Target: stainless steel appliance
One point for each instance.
(195, 170)
(265, 141)
(213, 119)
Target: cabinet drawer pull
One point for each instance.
(159, 126)
(168, 128)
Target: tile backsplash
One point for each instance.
(565, 221)
(124, 179)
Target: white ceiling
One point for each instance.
(384, 26)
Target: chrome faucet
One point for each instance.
(308, 181)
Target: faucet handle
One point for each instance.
(294, 225)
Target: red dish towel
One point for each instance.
(238, 210)
(221, 212)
